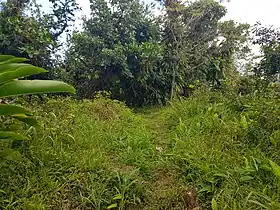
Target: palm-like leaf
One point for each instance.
(15, 72)
(23, 87)
(9, 110)
(11, 135)
(11, 71)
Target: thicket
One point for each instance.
(139, 58)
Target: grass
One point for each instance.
(96, 154)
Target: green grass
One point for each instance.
(92, 154)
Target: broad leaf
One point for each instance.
(11, 135)
(118, 197)
(246, 178)
(12, 66)
(13, 60)
(20, 72)
(22, 87)
(6, 109)
(5, 57)
(10, 70)
(26, 119)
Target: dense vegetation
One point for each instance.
(171, 111)
(87, 153)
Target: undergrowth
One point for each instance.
(96, 154)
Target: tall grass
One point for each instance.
(223, 147)
(96, 154)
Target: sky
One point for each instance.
(251, 11)
(243, 11)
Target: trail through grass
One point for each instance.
(168, 189)
(207, 151)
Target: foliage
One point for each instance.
(61, 17)
(222, 146)
(269, 40)
(145, 60)
(199, 45)
(119, 52)
(21, 35)
(10, 70)
(26, 32)
(219, 147)
(92, 154)
(71, 155)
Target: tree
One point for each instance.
(26, 32)
(231, 44)
(140, 59)
(202, 34)
(202, 47)
(119, 51)
(269, 40)
(22, 35)
(61, 17)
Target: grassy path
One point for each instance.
(93, 154)
(168, 189)
(156, 123)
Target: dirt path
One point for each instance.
(157, 123)
(168, 189)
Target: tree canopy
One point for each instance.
(27, 32)
(125, 50)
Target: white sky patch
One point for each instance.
(243, 11)
(252, 11)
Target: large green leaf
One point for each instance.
(11, 135)
(12, 66)
(13, 60)
(22, 87)
(26, 119)
(10, 70)
(20, 72)
(5, 57)
(6, 109)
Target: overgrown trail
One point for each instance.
(167, 188)
(95, 154)
(154, 119)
